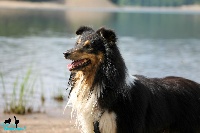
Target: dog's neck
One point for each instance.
(81, 84)
(112, 77)
(84, 101)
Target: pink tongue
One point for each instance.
(69, 66)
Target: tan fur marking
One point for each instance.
(107, 123)
(86, 43)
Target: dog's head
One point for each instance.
(90, 48)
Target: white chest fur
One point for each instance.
(84, 104)
(107, 122)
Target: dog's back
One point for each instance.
(152, 105)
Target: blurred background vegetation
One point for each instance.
(138, 2)
(156, 2)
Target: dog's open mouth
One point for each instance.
(78, 64)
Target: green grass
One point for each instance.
(4, 90)
(58, 96)
(22, 90)
(42, 97)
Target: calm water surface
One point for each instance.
(152, 44)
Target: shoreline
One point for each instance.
(42, 122)
(57, 6)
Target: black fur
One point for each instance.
(156, 105)
(83, 29)
(96, 127)
(148, 105)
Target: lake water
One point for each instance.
(154, 44)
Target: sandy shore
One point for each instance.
(56, 6)
(42, 122)
(29, 5)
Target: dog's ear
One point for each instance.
(108, 34)
(83, 29)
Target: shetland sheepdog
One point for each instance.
(107, 99)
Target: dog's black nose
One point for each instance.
(66, 54)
